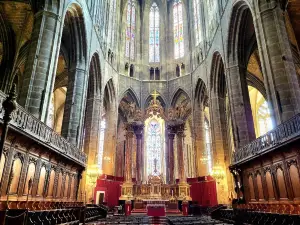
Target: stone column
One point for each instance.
(277, 61)
(74, 106)
(241, 113)
(128, 153)
(127, 186)
(170, 165)
(91, 143)
(167, 156)
(184, 187)
(109, 151)
(138, 130)
(40, 66)
(219, 129)
(199, 141)
(180, 154)
(92, 133)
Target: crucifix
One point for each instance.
(155, 165)
(155, 95)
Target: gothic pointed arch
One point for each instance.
(240, 12)
(95, 77)
(240, 36)
(160, 98)
(219, 121)
(217, 75)
(109, 95)
(74, 34)
(109, 120)
(243, 51)
(201, 140)
(7, 53)
(74, 51)
(201, 94)
(179, 96)
(130, 96)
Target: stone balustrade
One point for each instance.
(40, 132)
(279, 136)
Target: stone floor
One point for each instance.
(169, 220)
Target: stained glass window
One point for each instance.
(197, 22)
(260, 112)
(130, 30)
(264, 118)
(154, 148)
(178, 29)
(111, 39)
(154, 34)
(101, 143)
(50, 120)
(208, 145)
(211, 8)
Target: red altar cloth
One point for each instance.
(156, 211)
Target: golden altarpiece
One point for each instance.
(155, 183)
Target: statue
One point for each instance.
(138, 115)
(171, 115)
(131, 110)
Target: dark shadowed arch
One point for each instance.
(201, 95)
(74, 34)
(109, 96)
(7, 38)
(94, 87)
(180, 95)
(217, 77)
(239, 35)
(130, 96)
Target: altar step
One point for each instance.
(173, 212)
(139, 212)
(168, 212)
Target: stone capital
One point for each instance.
(138, 130)
(180, 129)
(171, 136)
(129, 130)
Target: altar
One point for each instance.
(155, 198)
(154, 190)
(156, 208)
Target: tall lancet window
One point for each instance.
(208, 144)
(130, 30)
(154, 156)
(51, 115)
(113, 18)
(178, 29)
(197, 22)
(154, 34)
(101, 143)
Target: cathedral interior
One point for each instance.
(150, 107)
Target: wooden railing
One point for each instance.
(24, 121)
(282, 134)
(53, 213)
(277, 214)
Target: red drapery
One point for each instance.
(111, 188)
(204, 190)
